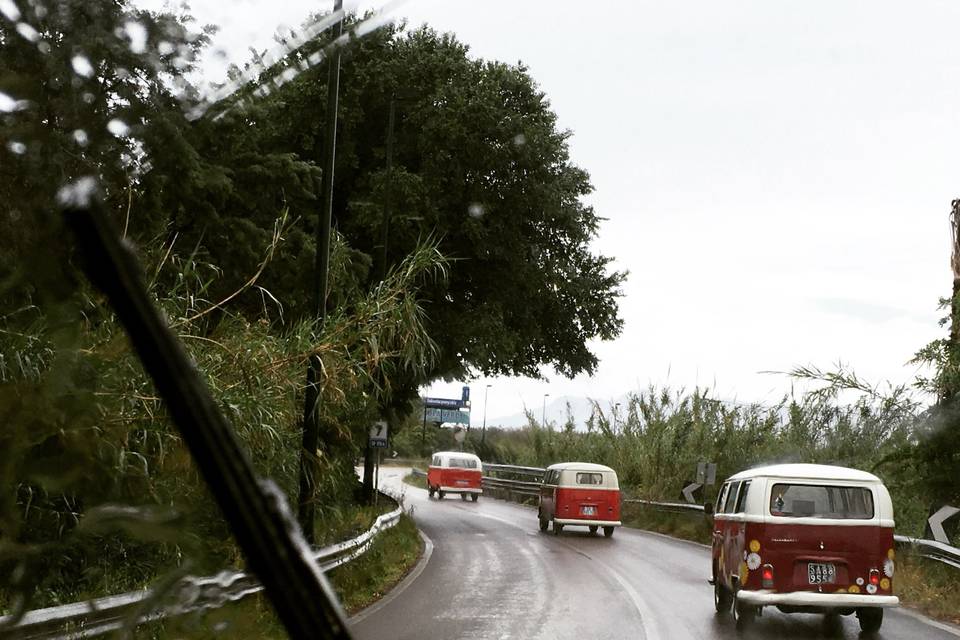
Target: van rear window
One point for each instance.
(821, 501)
(463, 463)
(589, 478)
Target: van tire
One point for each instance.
(463, 497)
(430, 490)
(871, 618)
(593, 528)
(722, 598)
(544, 524)
(440, 495)
(608, 532)
(557, 528)
(474, 496)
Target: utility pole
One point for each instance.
(306, 511)
(483, 434)
(369, 491)
(543, 417)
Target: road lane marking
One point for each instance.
(942, 626)
(400, 588)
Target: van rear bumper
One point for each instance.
(588, 523)
(812, 599)
(460, 490)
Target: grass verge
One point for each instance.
(414, 480)
(358, 584)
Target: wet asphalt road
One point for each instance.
(492, 574)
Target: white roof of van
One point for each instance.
(580, 466)
(807, 472)
(456, 454)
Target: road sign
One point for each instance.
(706, 473)
(447, 415)
(442, 403)
(688, 492)
(936, 523)
(465, 398)
(378, 435)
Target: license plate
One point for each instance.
(462, 483)
(588, 511)
(818, 573)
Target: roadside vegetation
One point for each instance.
(482, 208)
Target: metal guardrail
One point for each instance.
(189, 594)
(930, 549)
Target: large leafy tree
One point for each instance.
(478, 161)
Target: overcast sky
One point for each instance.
(775, 176)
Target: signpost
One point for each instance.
(379, 433)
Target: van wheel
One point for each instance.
(722, 599)
(870, 619)
(474, 497)
(557, 528)
(440, 495)
(608, 532)
(463, 497)
(544, 524)
(430, 490)
(593, 528)
(743, 614)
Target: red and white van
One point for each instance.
(804, 538)
(581, 494)
(455, 472)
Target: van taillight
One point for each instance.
(766, 577)
(874, 577)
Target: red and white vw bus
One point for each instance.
(455, 472)
(804, 538)
(581, 494)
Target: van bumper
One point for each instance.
(812, 599)
(461, 490)
(588, 523)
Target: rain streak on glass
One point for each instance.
(81, 66)
(137, 34)
(118, 128)
(27, 32)
(9, 10)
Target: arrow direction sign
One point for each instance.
(378, 435)
(688, 492)
(936, 523)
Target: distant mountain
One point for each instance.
(580, 409)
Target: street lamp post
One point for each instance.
(543, 415)
(483, 434)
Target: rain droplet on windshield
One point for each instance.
(519, 140)
(475, 209)
(137, 34)
(27, 32)
(9, 10)
(17, 147)
(81, 66)
(164, 48)
(8, 104)
(118, 127)
(80, 137)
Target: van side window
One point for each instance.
(722, 497)
(731, 497)
(742, 498)
(436, 461)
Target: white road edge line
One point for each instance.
(649, 630)
(400, 588)
(942, 626)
